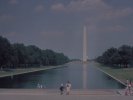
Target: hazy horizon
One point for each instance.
(58, 24)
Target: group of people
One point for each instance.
(40, 86)
(63, 88)
(66, 88)
(129, 88)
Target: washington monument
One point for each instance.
(84, 44)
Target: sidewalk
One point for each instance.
(41, 94)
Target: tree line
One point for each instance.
(121, 57)
(20, 56)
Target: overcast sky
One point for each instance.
(58, 24)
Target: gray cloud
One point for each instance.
(6, 17)
(95, 9)
(39, 8)
(58, 7)
(13, 2)
(52, 34)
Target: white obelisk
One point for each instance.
(84, 44)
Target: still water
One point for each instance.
(81, 76)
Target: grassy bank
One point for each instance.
(122, 74)
(26, 70)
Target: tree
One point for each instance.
(5, 52)
(126, 55)
(123, 56)
(34, 55)
(18, 55)
(106, 57)
(116, 59)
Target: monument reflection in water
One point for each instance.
(84, 76)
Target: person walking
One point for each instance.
(61, 89)
(68, 88)
(128, 88)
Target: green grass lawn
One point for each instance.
(122, 74)
(25, 70)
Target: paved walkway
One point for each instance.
(42, 94)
